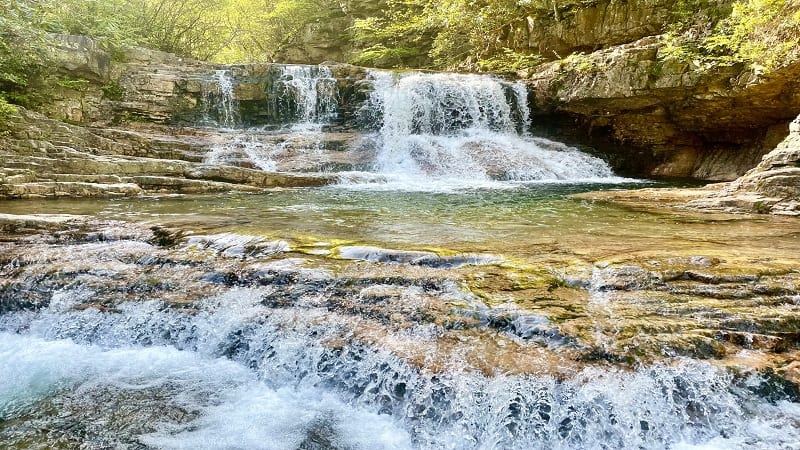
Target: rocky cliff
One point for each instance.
(668, 118)
(771, 187)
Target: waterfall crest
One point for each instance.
(439, 131)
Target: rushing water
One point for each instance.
(439, 131)
(241, 375)
(452, 168)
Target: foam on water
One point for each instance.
(264, 378)
(236, 409)
(450, 131)
(313, 91)
(243, 147)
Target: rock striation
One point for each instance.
(666, 118)
(42, 157)
(771, 187)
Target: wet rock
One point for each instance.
(238, 246)
(231, 174)
(418, 258)
(624, 278)
(13, 223)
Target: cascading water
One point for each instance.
(304, 96)
(239, 374)
(310, 92)
(220, 106)
(243, 148)
(440, 130)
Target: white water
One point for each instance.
(259, 377)
(243, 147)
(431, 132)
(226, 104)
(313, 90)
(451, 131)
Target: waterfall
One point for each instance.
(227, 104)
(416, 131)
(453, 130)
(309, 94)
(220, 108)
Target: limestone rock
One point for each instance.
(667, 118)
(771, 187)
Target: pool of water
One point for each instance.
(521, 221)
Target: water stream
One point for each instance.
(390, 311)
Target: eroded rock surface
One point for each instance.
(42, 157)
(771, 187)
(483, 315)
(667, 118)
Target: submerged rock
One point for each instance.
(417, 258)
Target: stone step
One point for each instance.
(68, 189)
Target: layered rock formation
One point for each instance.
(43, 157)
(667, 118)
(122, 128)
(771, 187)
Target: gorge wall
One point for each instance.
(647, 117)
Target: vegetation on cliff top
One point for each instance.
(470, 35)
(761, 33)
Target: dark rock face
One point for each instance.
(600, 24)
(771, 187)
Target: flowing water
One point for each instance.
(328, 348)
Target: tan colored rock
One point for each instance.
(771, 187)
(68, 189)
(668, 118)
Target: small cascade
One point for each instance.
(239, 374)
(220, 107)
(243, 149)
(453, 130)
(227, 104)
(523, 117)
(309, 95)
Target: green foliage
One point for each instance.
(760, 33)
(511, 61)
(7, 111)
(262, 29)
(454, 34)
(196, 28)
(80, 85)
(400, 37)
(23, 47)
(113, 90)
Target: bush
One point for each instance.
(760, 33)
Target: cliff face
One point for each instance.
(771, 187)
(667, 118)
(158, 87)
(595, 26)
